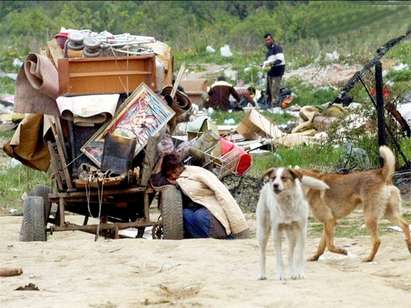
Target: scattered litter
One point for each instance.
(168, 266)
(17, 63)
(8, 75)
(395, 228)
(225, 51)
(330, 75)
(229, 121)
(332, 56)
(10, 271)
(400, 67)
(210, 49)
(28, 287)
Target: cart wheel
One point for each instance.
(43, 191)
(172, 213)
(33, 225)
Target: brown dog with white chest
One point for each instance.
(372, 190)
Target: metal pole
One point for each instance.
(380, 104)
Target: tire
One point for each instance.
(43, 191)
(33, 227)
(172, 213)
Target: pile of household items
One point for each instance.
(102, 107)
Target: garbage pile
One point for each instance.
(103, 107)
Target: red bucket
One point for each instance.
(235, 158)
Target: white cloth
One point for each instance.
(88, 109)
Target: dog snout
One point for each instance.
(276, 187)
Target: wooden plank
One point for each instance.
(55, 51)
(104, 226)
(62, 158)
(146, 207)
(55, 166)
(104, 59)
(61, 209)
(82, 194)
(103, 75)
(109, 73)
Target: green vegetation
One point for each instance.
(278, 118)
(323, 157)
(14, 181)
(306, 94)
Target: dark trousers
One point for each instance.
(273, 89)
(200, 223)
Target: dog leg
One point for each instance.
(329, 228)
(263, 233)
(392, 213)
(398, 220)
(292, 240)
(320, 250)
(372, 227)
(301, 235)
(278, 254)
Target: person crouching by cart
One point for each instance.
(209, 210)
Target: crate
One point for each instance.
(105, 75)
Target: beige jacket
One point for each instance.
(203, 187)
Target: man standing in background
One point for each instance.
(275, 64)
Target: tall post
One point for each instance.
(379, 97)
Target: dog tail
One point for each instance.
(314, 183)
(389, 163)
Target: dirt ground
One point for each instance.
(71, 270)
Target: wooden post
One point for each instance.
(61, 211)
(146, 207)
(380, 104)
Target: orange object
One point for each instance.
(234, 158)
(105, 75)
(286, 102)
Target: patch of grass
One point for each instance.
(278, 118)
(322, 157)
(219, 116)
(306, 94)
(401, 52)
(7, 86)
(6, 134)
(14, 182)
(348, 227)
(396, 76)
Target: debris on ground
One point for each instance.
(10, 271)
(28, 287)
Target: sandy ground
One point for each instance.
(71, 270)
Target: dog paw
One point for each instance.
(368, 259)
(297, 276)
(262, 278)
(313, 258)
(343, 251)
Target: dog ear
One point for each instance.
(296, 173)
(267, 174)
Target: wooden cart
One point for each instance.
(117, 207)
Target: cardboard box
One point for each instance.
(254, 126)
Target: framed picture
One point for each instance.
(141, 116)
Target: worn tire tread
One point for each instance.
(172, 213)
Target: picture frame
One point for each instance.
(141, 116)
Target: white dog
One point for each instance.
(282, 207)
